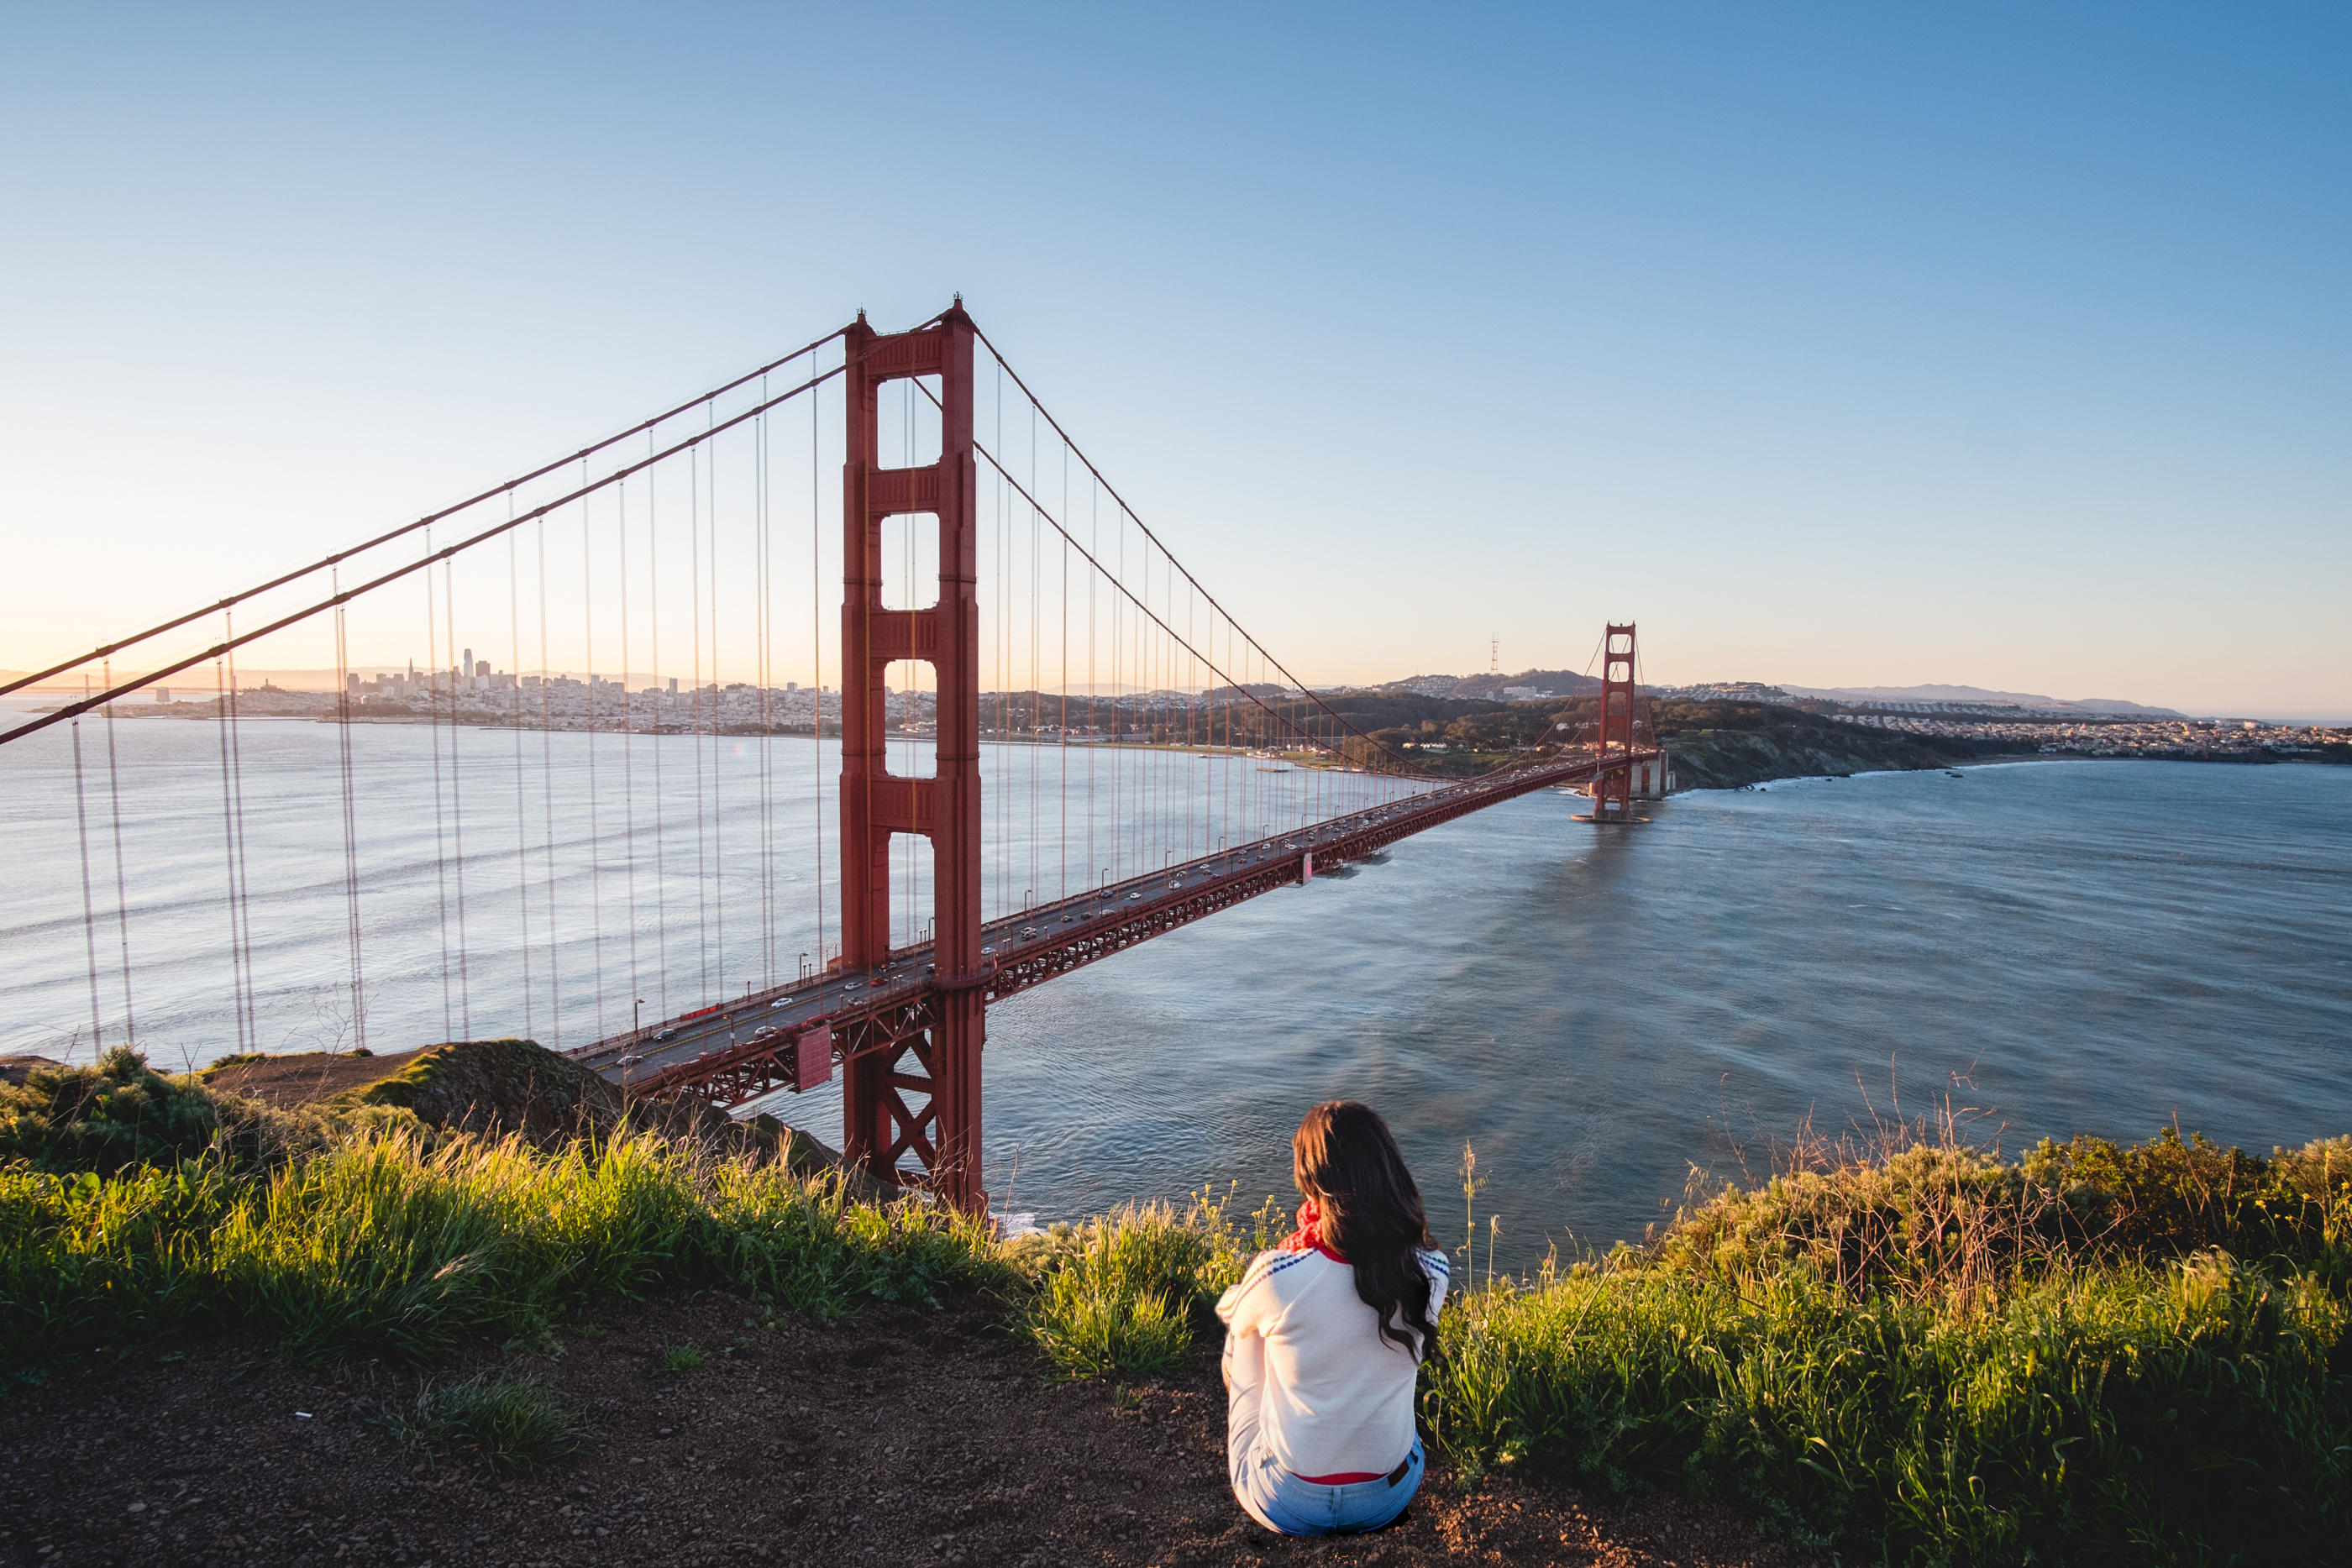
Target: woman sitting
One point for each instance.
(1325, 1337)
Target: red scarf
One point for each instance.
(1309, 1236)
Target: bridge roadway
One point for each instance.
(746, 1049)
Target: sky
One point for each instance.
(1837, 345)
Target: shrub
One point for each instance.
(109, 1118)
(1919, 1213)
(105, 1117)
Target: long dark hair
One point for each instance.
(1346, 1160)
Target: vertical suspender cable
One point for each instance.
(350, 819)
(1062, 832)
(1036, 679)
(816, 657)
(122, 893)
(440, 829)
(244, 878)
(546, 797)
(228, 850)
(661, 716)
(523, 833)
(1000, 562)
(718, 697)
(457, 805)
(595, 837)
(1119, 757)
(89, 917)
(701, 864)
(764, 625)
(628, 738)
(1094, 723)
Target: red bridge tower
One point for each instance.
(1612, 791)
(939, 1060)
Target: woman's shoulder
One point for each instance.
(1273, 1269)
(1434, 1259)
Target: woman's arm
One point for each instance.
(1244, 1361)
(1242, 1309)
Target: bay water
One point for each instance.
(1598, 1012)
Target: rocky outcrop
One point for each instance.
(1730, 759)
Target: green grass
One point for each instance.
(1922, 1354)
(381, 1245)
(2193, 1411)
(1126, 1292)
(676, 1360)
(505, 1425)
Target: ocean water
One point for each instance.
(2057, 946)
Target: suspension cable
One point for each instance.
(1027, 495)
(407, 529)
(75, 709)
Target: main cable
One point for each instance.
(296, 617)
(407, 529)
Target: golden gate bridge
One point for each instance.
(962, 560)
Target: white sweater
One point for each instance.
(1304, 1356)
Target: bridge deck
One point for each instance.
(742, 1051)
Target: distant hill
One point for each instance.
(1976, 696)
(1490, 687)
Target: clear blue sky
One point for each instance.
(1839, 344)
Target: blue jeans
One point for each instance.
(1282, 1502)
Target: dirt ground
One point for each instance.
(900, 1436)
(313, 1075)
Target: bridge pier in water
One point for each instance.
(931, 1048)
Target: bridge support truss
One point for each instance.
(915, 1088)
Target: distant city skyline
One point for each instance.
(1843, 346)
(184, 687)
